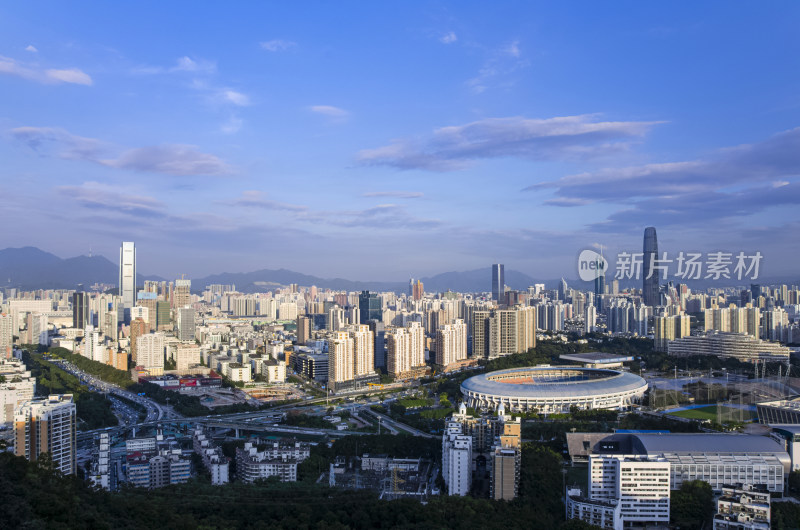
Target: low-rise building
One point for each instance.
(214, 460)
(252, 464)
(606, 514)
(743, 507)
(158, 470)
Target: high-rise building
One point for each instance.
(363, 350)
(498, 282)
(370, 307)
(341, 359)
(186, 326)
(139, 327)
(506, 458)
(589, 319)
(640, 484)
(182, 296)
(150, 352)
(451, 343)
(418, 290)
(6, 335)
(666, 329)
(503, 332)
(81, 317)
(304, 327)
(456, 459)
(378, 331)
(650, 282)
(127, 274)
(47, 425)
(405, 349)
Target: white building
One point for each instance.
(252, 465)
(640, 484)
(94, 347)
(456, 459)
(274, 371)
(127, 274)
(187, 355)
(150, 352)
(451, 343)
(743, 507)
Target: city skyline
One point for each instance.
(367, 150)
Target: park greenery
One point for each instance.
(93, 410)
(37, 497)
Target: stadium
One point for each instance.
(553, 389)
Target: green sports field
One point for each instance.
(709, 412)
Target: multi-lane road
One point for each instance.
(154, 410)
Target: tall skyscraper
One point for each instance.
(127, 274)
(451, 343)
(47, 425)
(370, 307)
(650, 285)
(80, 310)
(498, 282)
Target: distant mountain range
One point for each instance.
(30, 268)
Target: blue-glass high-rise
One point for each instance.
(370, 307)
(650, 286)
(498, 282)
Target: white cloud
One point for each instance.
(71, 75)
(277, 45)
(328, 110)
(31, 48)
(50, 76)
(395, 194)
(96, 196)
(448, 38)
(237, 98)
(187, 64)
(560, 138)
(169, 159)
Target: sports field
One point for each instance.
(709, 412)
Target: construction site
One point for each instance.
(392, 478)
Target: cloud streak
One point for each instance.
(168, 159)
(395, 194)
(50, 76)
(277, 45)
(258, 199)
(329, 111)
(561, 138)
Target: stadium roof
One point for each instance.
(705, 443)
(596, 357)
(614, 383)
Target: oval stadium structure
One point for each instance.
(554, 389)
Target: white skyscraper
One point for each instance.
(363, 350)
(127, 274)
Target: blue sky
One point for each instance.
(377, 140)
